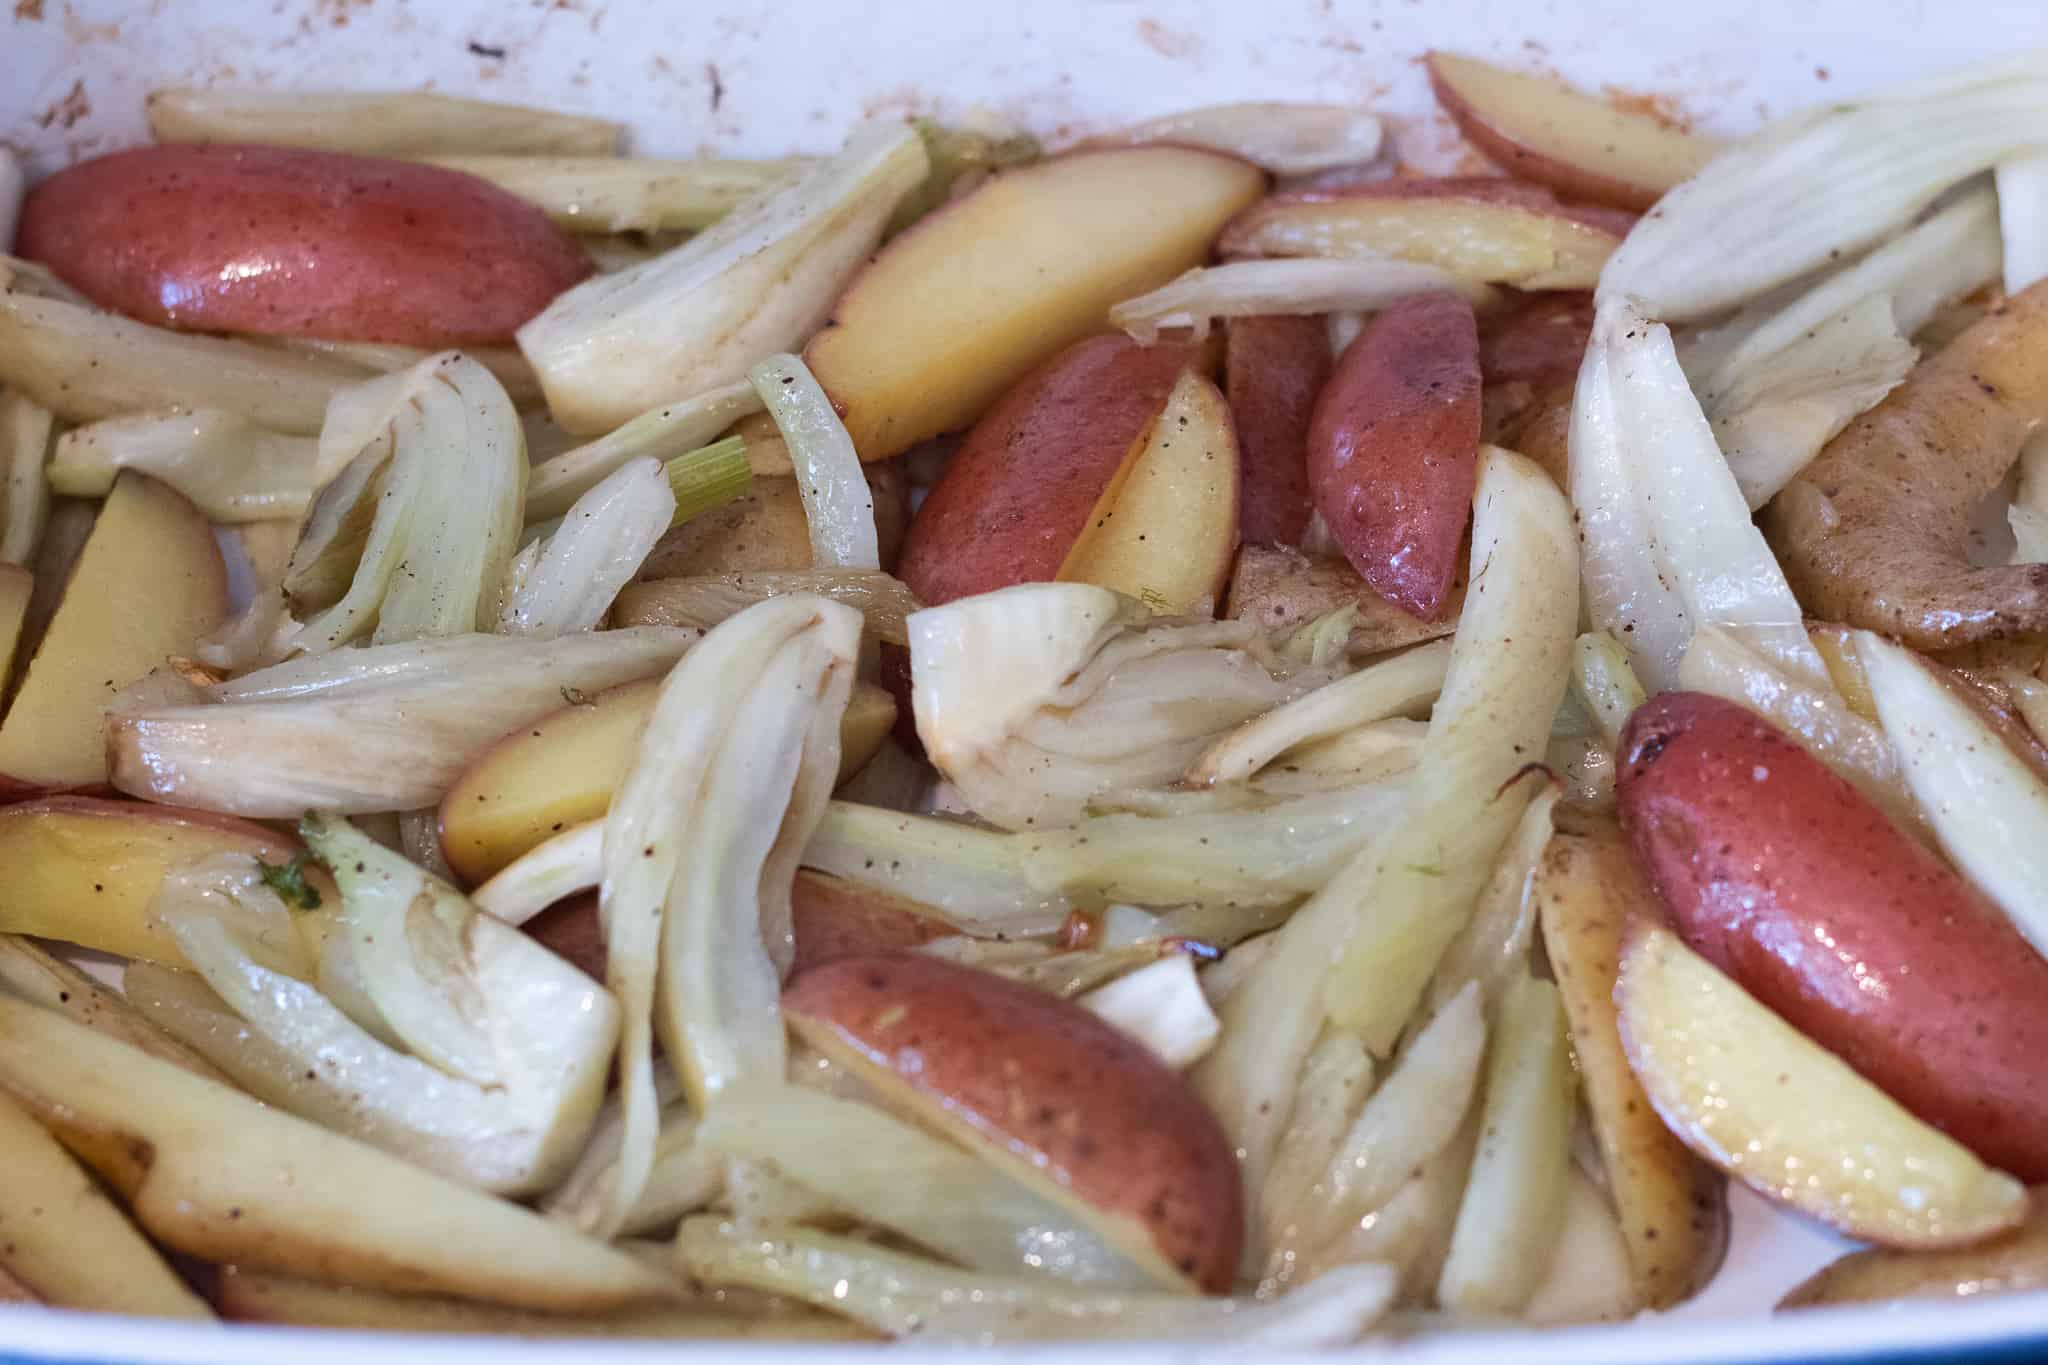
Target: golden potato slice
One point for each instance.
(1674, 1217)
(765, 529)
(210, 1172)
(62, 1238)
(149, 583)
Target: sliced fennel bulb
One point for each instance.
(1247, 288)
(758, 281)
(700, 847)
(567, 582)
(838, 504)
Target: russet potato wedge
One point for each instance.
(1047, 1092)
(961, 306)
(561, 770)
(1482, 229)
(66, 1241)
(1673, 1218)
(1538, 128)
(1775, 1110)
(84, 870)
(212, 1173)
(1165, 527)
(150, 583)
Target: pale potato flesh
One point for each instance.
(16, 584)
(1775, 1110)
(84, 870)
(1538, 128)
(150, 583)
(212, 1173)
(1164, 528)
(561, 771)
(1673, 1219)
(960, 307)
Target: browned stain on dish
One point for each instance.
(1663, 108)
(66, 112)
(1176, 45)
(28, 11)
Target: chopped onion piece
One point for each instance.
(1035, 699)
(1162, 1006)
(1251, 288)
(1403, 685)
(838, 504)
(888, 1174)
(1388, 916)
(556, 868)
(604, 539)
(1284, 138)
(231, 469)
(25, 428)
(908, 1295)
(384, 123)
(758, 281)
(361, 730)
(1986, 806)
(84, 363)
(1820, 186)
(704, 601)
(700, 848)
(668, 433)
(629, 194)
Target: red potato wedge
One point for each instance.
(1479, 228)
(571, 931)
(1538, 128)
(1166, 527)
(288, 242)
(1540, 339)
(1782, 875)
(1393, 449)
(1273, 369)
(958, 309)
(84, 870)
(2013, 1264)
(834, 918)
(1044, 1090)
(1774, 1109)
(1021, 489)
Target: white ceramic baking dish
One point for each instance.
(773, 76)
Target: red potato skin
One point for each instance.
(282, 241)
(1047, 1081)
(1273, 369)
(1540, 340)
(1785, 877)
(570, 930)
(1393, 449)
(833, 918)
(1017, 494)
